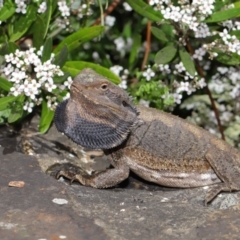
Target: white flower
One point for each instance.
(123, 84)
(177, 98)
(224, 35)
(39, 52)
(28, 106)
(120, 43)
(15, 90)
(202, 83)
(9, 57)
(190, 90)
(184, 86)
(148, 74)
(68, 83)
(67, 96)
(21, 7)
(202, 31)
(8, 69)
(116, 69)
(127, 7)
(34, 84)
(17, 76)
(50, 86)
(199, 53)
(110, 20)
(222, 70)
(63, 8)
(164, 68)
(51, 103)
(42, 7)
(180, 68)
(95, 55)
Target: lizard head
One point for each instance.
(98, 113)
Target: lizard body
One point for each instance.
(157, 146)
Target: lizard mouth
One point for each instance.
(76, 88)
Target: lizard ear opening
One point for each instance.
(98, 130)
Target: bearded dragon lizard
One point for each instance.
(155, 145)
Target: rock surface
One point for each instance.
(46, 208)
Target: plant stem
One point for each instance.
(200, 72)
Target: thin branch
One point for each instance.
(200, 72)
(107, 12)
(148, 45)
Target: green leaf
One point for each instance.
(231, 60)
(145, 10)
(204, 98)
(235, 33)
(8, 48)
(74, 67)
(134, 49)
(187, 62)
(166, 54)
(38, 32)
(46, 117)
(76, 39)
(4, 114)
(47, 17)
(61, 58)
(23, 24)
(127, 30)
(5, 84)
(61, 79)
(168, 30)
(17, 109)
(220, 4)
(233, 130)
(12, 47)
(223, 15)
(159, 34)
(7, 10)
(4, 101)
(47, 50)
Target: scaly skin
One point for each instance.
(157, 146)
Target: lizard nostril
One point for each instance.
(124, 103)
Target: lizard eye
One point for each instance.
(104, 86)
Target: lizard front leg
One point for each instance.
(105, 179)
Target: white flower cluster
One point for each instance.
(148, 74)
(187, 14)
(83, 10)
(227, 81)
(232, 43)
(30, 75)
(189, 85)
(123, 45)
(63, 8)
(199, 53)
(74, 8)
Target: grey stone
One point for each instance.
(133, 210)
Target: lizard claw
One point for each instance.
(80, 178)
